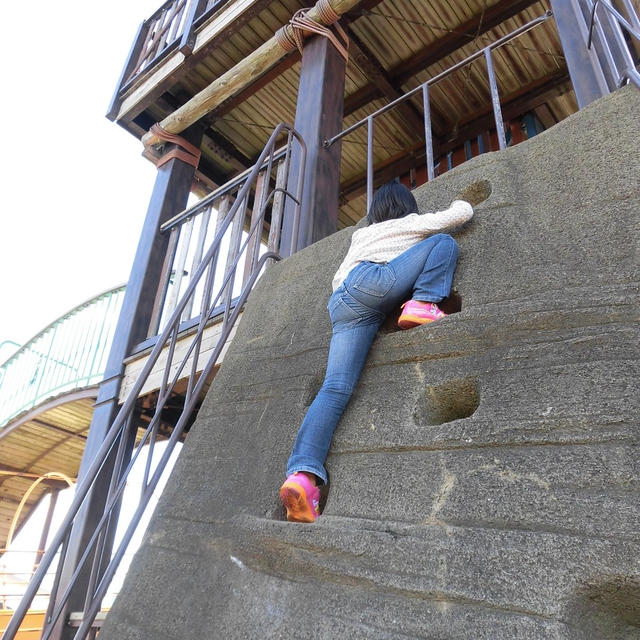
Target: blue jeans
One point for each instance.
(357, 309)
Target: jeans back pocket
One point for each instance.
(340, 311)
(376, 280)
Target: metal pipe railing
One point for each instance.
(68, 354)
(424, 89)
(223, 190)
(191, 229)
(619, 61)
(166, 341)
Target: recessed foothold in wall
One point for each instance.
(446, 402)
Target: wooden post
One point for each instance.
(188, 41)
(318, 117)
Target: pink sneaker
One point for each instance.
(416, 312)
(300, 498)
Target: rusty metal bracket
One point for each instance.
(183, 149)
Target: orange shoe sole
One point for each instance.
(295, 502)
(409, 321)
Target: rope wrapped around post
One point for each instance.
(292, 34)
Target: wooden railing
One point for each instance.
(157, 33)
(171, 27)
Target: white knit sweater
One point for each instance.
(384, 241)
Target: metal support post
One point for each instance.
(589, 82)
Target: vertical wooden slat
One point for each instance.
(223, 209)
(176, 20)
(234, 246)
(155, 32)
(516, 132)
(277, 208)
(253, 245)
(178, 269)
(188, 42)
(207, 293)
(197, 256)
(144, 50)
(158, 304)
(164, 29)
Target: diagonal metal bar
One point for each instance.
(495, 99)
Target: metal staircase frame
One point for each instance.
(102, 568)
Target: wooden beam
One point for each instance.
(88, 393)
(14, 472)
(227, 150)
(234, 156)
(464, 33)
(371, 67)
(65, 432)
(361, 98)
(231, 103)
(207, 176)
(207, 173)
(361, 9)
(525, 99)
(235, 80)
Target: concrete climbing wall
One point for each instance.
(485, 477)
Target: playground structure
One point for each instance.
(519, 72)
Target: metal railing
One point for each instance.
(96, 549)
(424, 90)
(195, 228)
(606, 27)
(69, 354)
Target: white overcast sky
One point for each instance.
(74, 187)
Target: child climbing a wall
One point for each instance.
(401, 258)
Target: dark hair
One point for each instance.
(391, 200)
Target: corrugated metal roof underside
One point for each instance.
(44, 440)
(53, 440)
(397, 33)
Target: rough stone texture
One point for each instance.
(485, 477)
